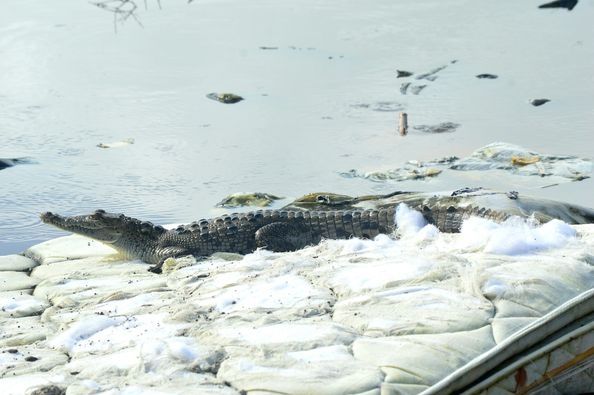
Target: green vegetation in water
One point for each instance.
(257, 199)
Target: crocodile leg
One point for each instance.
(168, 252)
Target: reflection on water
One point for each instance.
(325, 100)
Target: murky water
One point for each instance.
(322, 97)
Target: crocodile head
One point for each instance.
(129, 236)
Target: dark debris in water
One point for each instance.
(416, 89)
(227, 98)
(428, 76)
(539, 102)
(486, 76)
(404, 87)
(466, 190)
(431, 74)
(513, 195)
(569, 4)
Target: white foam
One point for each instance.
(412, 225)
(516, 236)
(409, 221)
(521, 238)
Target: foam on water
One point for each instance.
(515, 236)
(412, 223)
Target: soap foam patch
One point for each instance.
(515, 236)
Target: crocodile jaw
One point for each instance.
(90, 225)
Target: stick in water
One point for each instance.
(403, 123)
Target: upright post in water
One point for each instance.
(403, 123)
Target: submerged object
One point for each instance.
(293, 227)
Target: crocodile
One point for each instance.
(306, 222)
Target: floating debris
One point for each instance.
(496, 156)
(414, 89)
(521, 161)
(486, 76)
(465, 191)
(524, 160)
(539, 102)
(265, 48)
(513, 195)
(403, 73)
(404, 87)
(381, 106)
(386, 106)
(256, 199)
(569, 4)
(444, 127)
(431, 74)
(412, 170)
(117, 144)
(227, 98)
